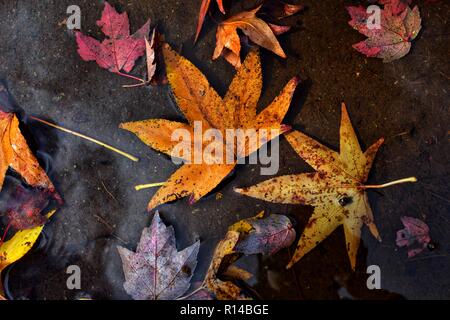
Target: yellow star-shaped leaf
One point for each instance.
(336, 189)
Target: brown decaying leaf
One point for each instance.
(336, 190)
(223, 256)
(15, 154)
(255, 28)
(200, 102)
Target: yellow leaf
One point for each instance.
(16, 247)
(336, 190)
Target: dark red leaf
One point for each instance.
(24, 208)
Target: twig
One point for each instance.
(108, 192)
(107, 146)
(149, 185)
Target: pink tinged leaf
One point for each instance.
(157, 271)
(396, 7)
(90, 49)
(269, 235)
(366, 49)
(113, 24)
(290, 9)
(150, 54)
(119, 50)
(415, 236)
(132, 48)
(277, 30)
(392, 40)
(359, 19)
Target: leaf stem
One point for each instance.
(140, 84)
(191, 293)
(129, 76)
(384, 185)
(107, 146)
(149, 185)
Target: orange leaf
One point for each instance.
(16, 154)
(201, 15)
(256, 29)
(200, 103)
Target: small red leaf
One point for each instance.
(119, 50)
(415, 236)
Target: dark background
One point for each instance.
(406, 101)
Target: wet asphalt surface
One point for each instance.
(407, 102)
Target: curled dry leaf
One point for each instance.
(119, 50)
(224, 255)
(204, 7)
(150, 54)
(201, 104)
(336, 190)
(15, 154)
(392, 40)
(266, 235)
(16, 247)
(415, 236)
(227, 38)
(157, 271)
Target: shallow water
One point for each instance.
(407, 102)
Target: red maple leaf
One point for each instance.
(391, 40)
(119, 50)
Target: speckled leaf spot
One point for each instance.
(157, 270)
(393, 39)
(336, 189)
(199, 102)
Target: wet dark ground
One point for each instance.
(407, 102)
